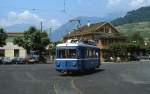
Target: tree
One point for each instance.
(119, 49)
(3, 37)
(34, 40)
(25, 41)
(136, 39)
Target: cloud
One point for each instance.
(138, 3)
(129, 4)
(19, 18)
(52, 23)
(26, 17)
(12, 14)
(113, 2)
(123, 6)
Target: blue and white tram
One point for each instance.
(73, 57)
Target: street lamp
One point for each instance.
(145, 43)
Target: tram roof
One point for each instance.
(75, 44)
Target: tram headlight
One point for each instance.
(58, 64)
(74, 64)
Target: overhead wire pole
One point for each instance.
(50, 31)
(41, 26)
(64, 6)
(78, 26)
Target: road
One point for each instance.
(131, 78)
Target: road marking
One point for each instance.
(54, 86)
(74, 86)
(30, 76)
(74, 89)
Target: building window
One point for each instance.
(106, 30)
(103, 41)
(99, 42)
(110, 41)
(16, 53)
(110, 30)
(101, 30)
(96, 41)
(2, 53)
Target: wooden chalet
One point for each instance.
(103, 34)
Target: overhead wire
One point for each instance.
(64, 10)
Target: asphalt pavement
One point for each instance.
(126, 78)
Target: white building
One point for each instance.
(11, 50)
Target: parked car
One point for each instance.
(145, 58)
(34, 57)
(18, 60)
(7, 60)
(1, 60)
(134, 58)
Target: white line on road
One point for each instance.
(61, 87)
(55, 89)
(74, 86)
(30, 76)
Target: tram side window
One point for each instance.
(86, 53)
(95, 54)
(67, 53)
(61, 54)
(71, 53)
(91, 53)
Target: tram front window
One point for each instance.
(67, 53)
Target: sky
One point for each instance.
(54, 13)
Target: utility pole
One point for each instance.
(64, 6)
(50, 31)
(41, 26)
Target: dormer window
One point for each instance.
(101, 30)
(110, 30)
(106, 30)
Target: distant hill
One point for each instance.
(18, 27)
(61, 31)
(70, 26)
(130, 28)
(140, 15)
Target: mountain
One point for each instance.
(70, 26)
(18, 27)
(130, 28)
(134, 21)
(140, 15)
